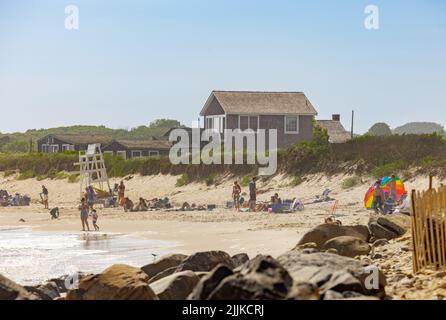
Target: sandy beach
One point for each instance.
(220, 229)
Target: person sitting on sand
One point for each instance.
(128, 204)
(277, 200)
(94, 219)
(44, 196)
(142, 205)
(121, 194)
(83, 208)
(236, 191)
(378, 198)
(54, 213)
(404, 206)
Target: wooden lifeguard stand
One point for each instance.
(92, 170)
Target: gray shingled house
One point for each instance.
(291, 113)
(335, 129)
(126, 148)
(138, 148)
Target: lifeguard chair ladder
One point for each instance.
(92, 169)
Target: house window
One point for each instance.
(122, 154)
(249, 122)
(54, 148)
(67, 147)
(292, 124)
(44, 148)
(216, 122)
(209, 123)
(136, 154)
(154, 153)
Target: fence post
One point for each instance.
(414, 242)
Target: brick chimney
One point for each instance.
(336, 117)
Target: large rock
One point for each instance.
(205, 261)
(163, 274)
(398, 223)
(47, 291)
(333, 272)
(304, 291)
(9, 290)
(324, 232)
(175, 287)
(119, 282)
(261, 278)
(164, 263)
(380, 232)
(209, 282)
(68, 282)
(348, 246)
(389, 226)
(239, 259)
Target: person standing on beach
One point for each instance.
(236, 191)
(83, 208)
(378, 198)
(91, 197)
(94, 218)
(392, 188)
(44, 195)
(252, 194)
(121, 194)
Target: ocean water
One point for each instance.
(32, 257)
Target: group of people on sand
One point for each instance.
(237, 191)
(127, 203)
(386, 202)
(86, 211)
(252, 204)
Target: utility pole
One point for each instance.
(353, 121)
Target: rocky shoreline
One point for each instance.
(330, 262)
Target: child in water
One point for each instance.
(94, 218)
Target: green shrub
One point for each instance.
(296, 181)
(351, 182)
(61, 175)
(28, 174)
(73, 178)
(389, 168)
(52, 173)
(41, 177)
(9, 173)
(210, 180)
(183, 180)
(244, 182)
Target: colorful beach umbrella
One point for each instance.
(370, 194)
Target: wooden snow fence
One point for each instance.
(429, 229)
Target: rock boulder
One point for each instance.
(176, 286)
(348, 246)
(119, 282)
(324, 232)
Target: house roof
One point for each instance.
(335, 130)
(145, 144)
(259, 102)
(81, 139)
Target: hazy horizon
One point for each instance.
(131, 63)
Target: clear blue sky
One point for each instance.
(134, 61)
